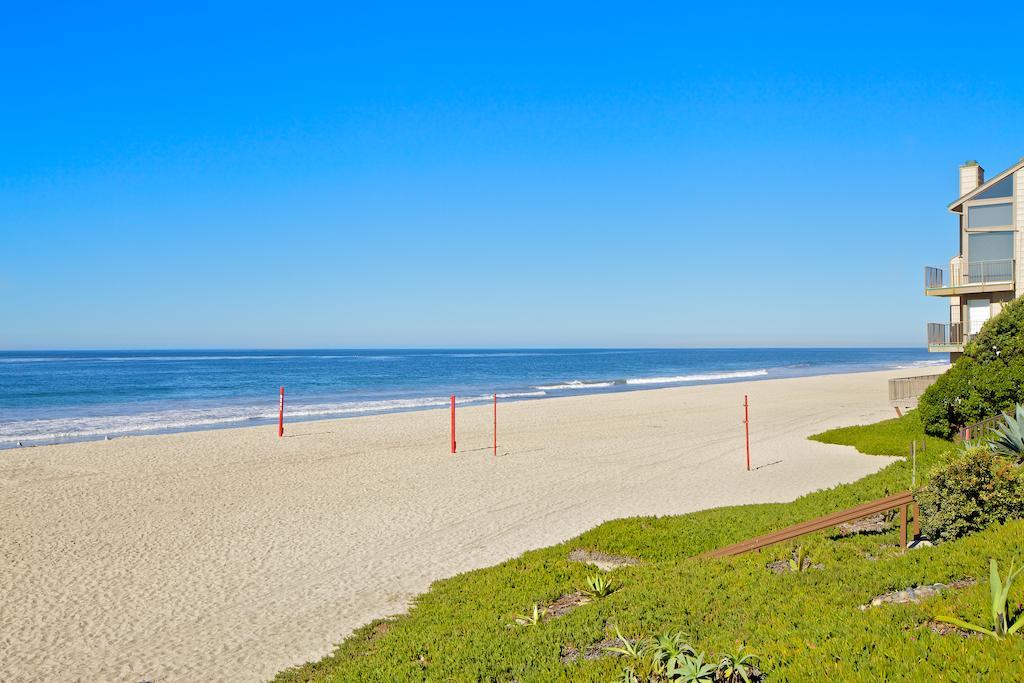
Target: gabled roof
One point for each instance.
(955, 206)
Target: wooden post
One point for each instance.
(280, 415)
(453, 423)
(917, 521)
(903, 526)
(746, 427)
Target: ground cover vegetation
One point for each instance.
(688, 618)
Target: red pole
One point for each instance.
(495, 424)
(746, 427)
(453, 423)
(280, 415)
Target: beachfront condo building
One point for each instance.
(988, 270)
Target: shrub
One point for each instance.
(977, 488)
(986, 380)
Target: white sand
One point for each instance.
(231, 554)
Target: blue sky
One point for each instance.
(588, 175)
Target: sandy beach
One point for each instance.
(231, 554)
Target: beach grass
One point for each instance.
(804, 626)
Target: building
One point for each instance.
(988, 271)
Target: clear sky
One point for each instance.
(525, 175)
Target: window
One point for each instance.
(990, 246)
(989, 215)
(1004, 188)
(990, 257)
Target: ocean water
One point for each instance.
(57, 396)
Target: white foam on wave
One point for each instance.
(48, 430)
(923, 364)
(523, 394)
(697, 378)
(180, 358)
(575, 384)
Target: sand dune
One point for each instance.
(231, 554)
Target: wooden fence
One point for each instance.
(980, 429)
(904, 501)
(904, 389)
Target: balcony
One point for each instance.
(949, 337)
(969, 277)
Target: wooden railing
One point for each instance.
(903, 501)
(979, 429)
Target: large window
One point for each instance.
(990, 246)
(1004, 188)
(989, 215)
(990, 257)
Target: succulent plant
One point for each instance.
(1009, 437)
(1004, 623)
(599, 587)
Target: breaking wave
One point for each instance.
(698, 378)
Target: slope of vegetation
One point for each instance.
(804, 625)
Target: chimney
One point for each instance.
(972, 175)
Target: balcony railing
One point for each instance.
(950, 334)
(969, 273)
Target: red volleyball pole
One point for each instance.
(495, 424)
(280, 415)
(746, 427)
(453, 423)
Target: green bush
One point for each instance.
(986, 380)
(976, 489)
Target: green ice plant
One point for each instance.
(1009, 436)
(1003, 623)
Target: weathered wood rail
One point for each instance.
(904, 501)
(980, 429)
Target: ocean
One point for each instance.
(58, 396)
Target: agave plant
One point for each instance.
(669, 649)
(691, 668)
(799, 562)
(1009, 436)
(532, 619)
(632, 649)
(1003, 622)
(628, 675)
(736, 666)
(598, 587)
